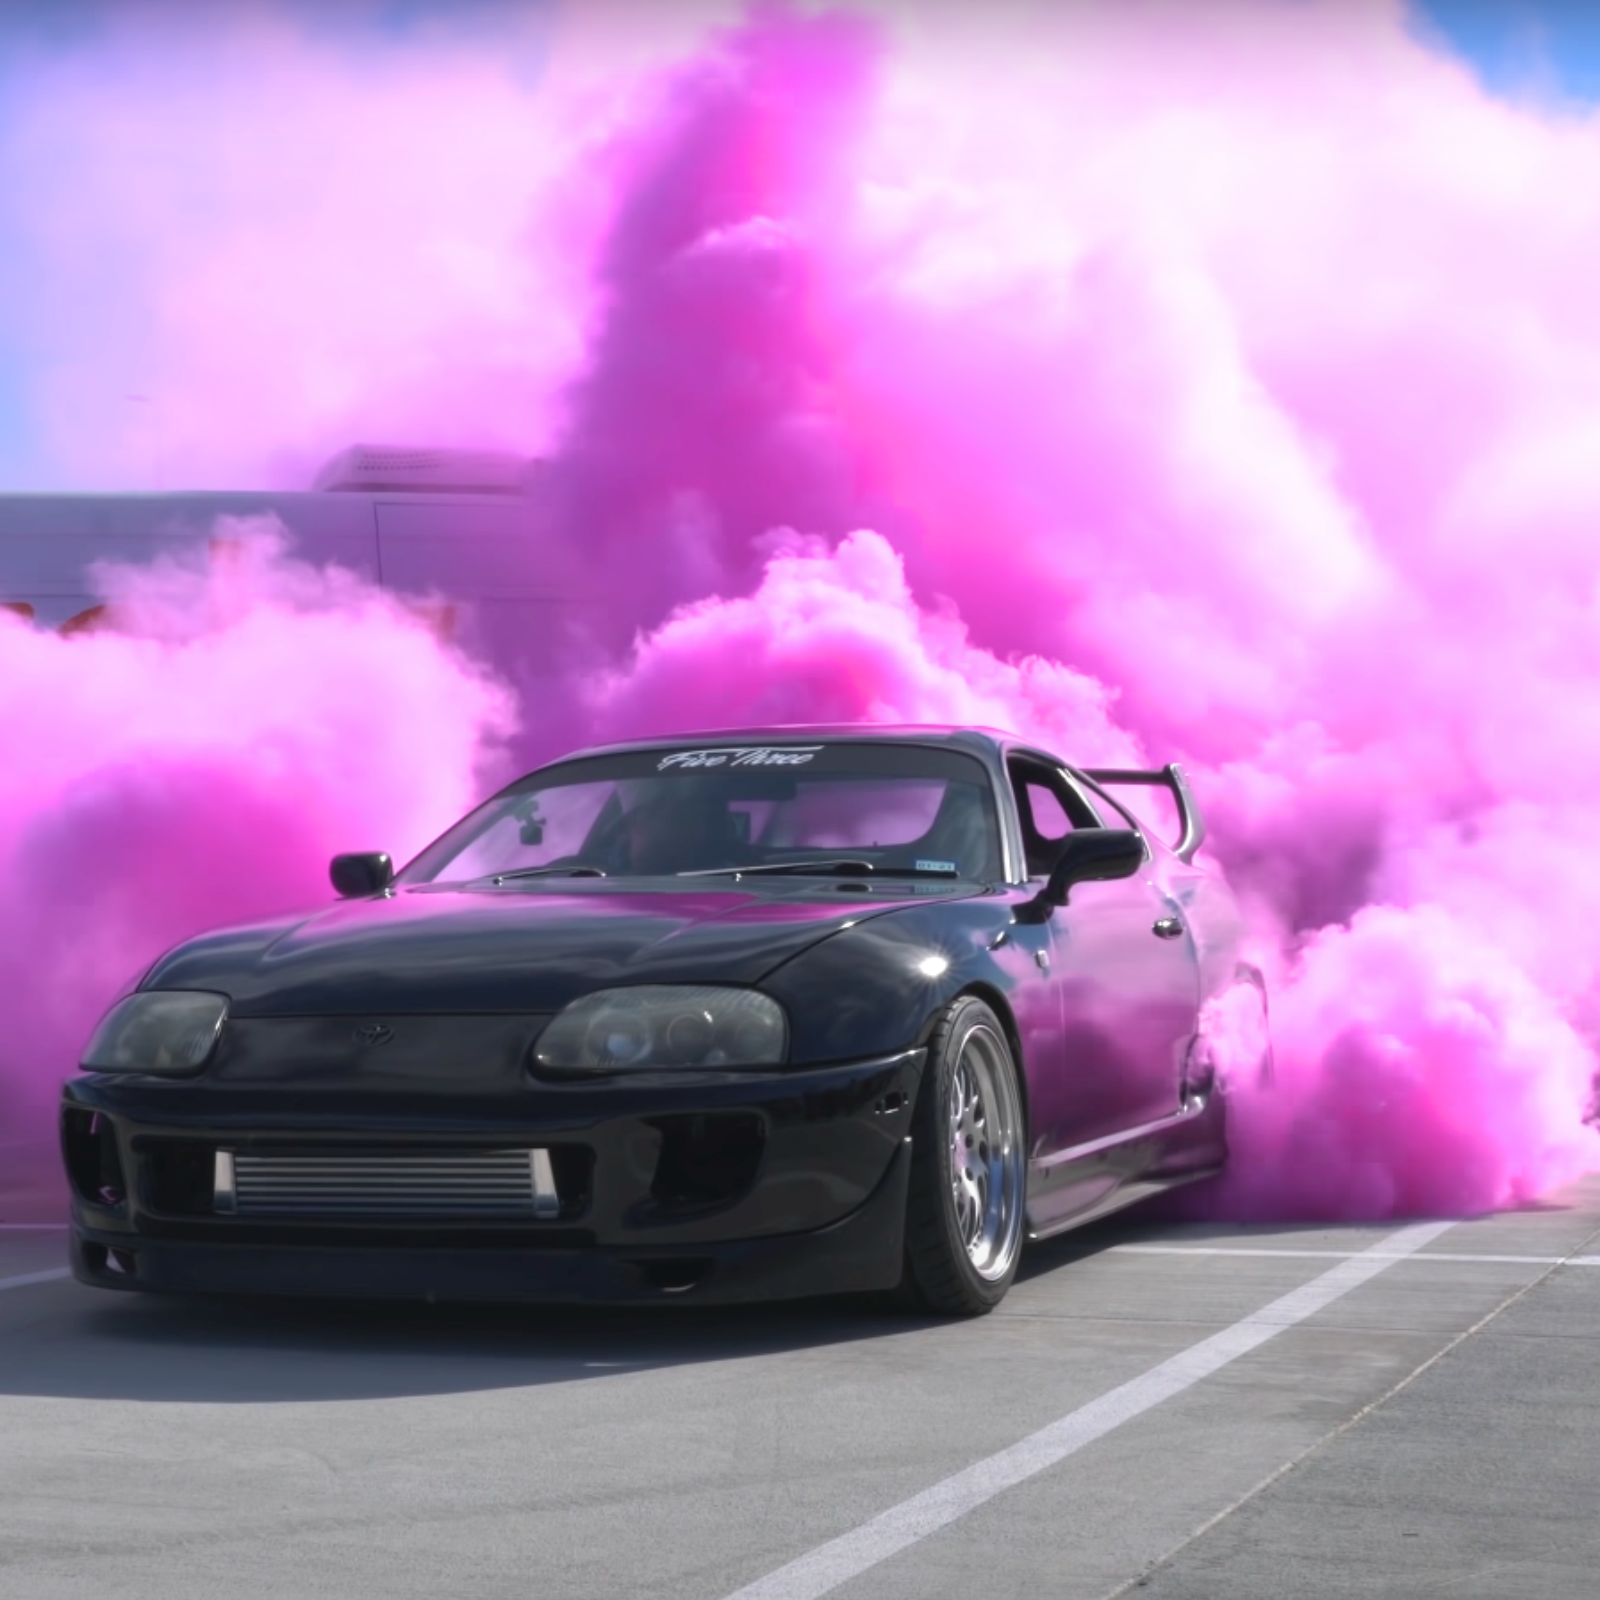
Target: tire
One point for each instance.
(964, 1212)
(1238, 1056)
(1267, 1066)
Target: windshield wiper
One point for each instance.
(547, 872)
(845, 868)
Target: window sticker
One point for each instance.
(939, 866)
(763, 756)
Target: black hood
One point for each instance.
(514, 950)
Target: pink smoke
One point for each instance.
(245, 218)
(1423, 1074)
(1215, 383)
(200, 765)
(1216, 360)
(834, 635)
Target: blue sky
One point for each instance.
(1524, 47)
(1544, 50)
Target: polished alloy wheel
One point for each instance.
(986, 1159)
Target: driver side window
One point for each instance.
(1049, 809)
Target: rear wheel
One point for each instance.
(1266, 1068)
(964, 1217)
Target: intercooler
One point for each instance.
(467, 1183)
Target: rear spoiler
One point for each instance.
(1191, 824)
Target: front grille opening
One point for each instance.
(178, 1176)
(707, 1158)
(573, 1165)
(387, 1183)
(94, 1166)
(409, 1183)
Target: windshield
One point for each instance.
(811, 808)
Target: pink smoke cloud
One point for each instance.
(1424, 1074)
(1212, 360)
(200, 765)
(246, 217)
(835, 636)
(1210, 383)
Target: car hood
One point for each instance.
(512, 950)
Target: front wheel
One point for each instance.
(964, 1215)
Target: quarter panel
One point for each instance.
(1216, 926)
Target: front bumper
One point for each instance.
(814, 1205)
(862, 1252)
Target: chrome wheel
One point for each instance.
(984, 1126)
(966, 1190)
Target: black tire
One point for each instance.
(1204, 1077)
(964, 1228)
(1267, 1066)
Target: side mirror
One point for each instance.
(1090, 855)
(367, 872)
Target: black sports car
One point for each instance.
(729, 1016)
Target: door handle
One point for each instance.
(1167, 928)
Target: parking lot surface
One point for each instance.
(1158, 1408)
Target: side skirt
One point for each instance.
(1085, 1182)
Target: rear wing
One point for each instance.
(1191, 825)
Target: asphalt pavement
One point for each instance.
(1179, 1412)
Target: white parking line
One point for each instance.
(822, 1570)
(1344, 1255)
(52, 1276)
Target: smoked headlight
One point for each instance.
(159, 1030)
(665, 1026)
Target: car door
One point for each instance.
(1124, 969)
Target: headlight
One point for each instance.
(160, 1030)
(661, 1025)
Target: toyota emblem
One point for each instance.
(374, 1033)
